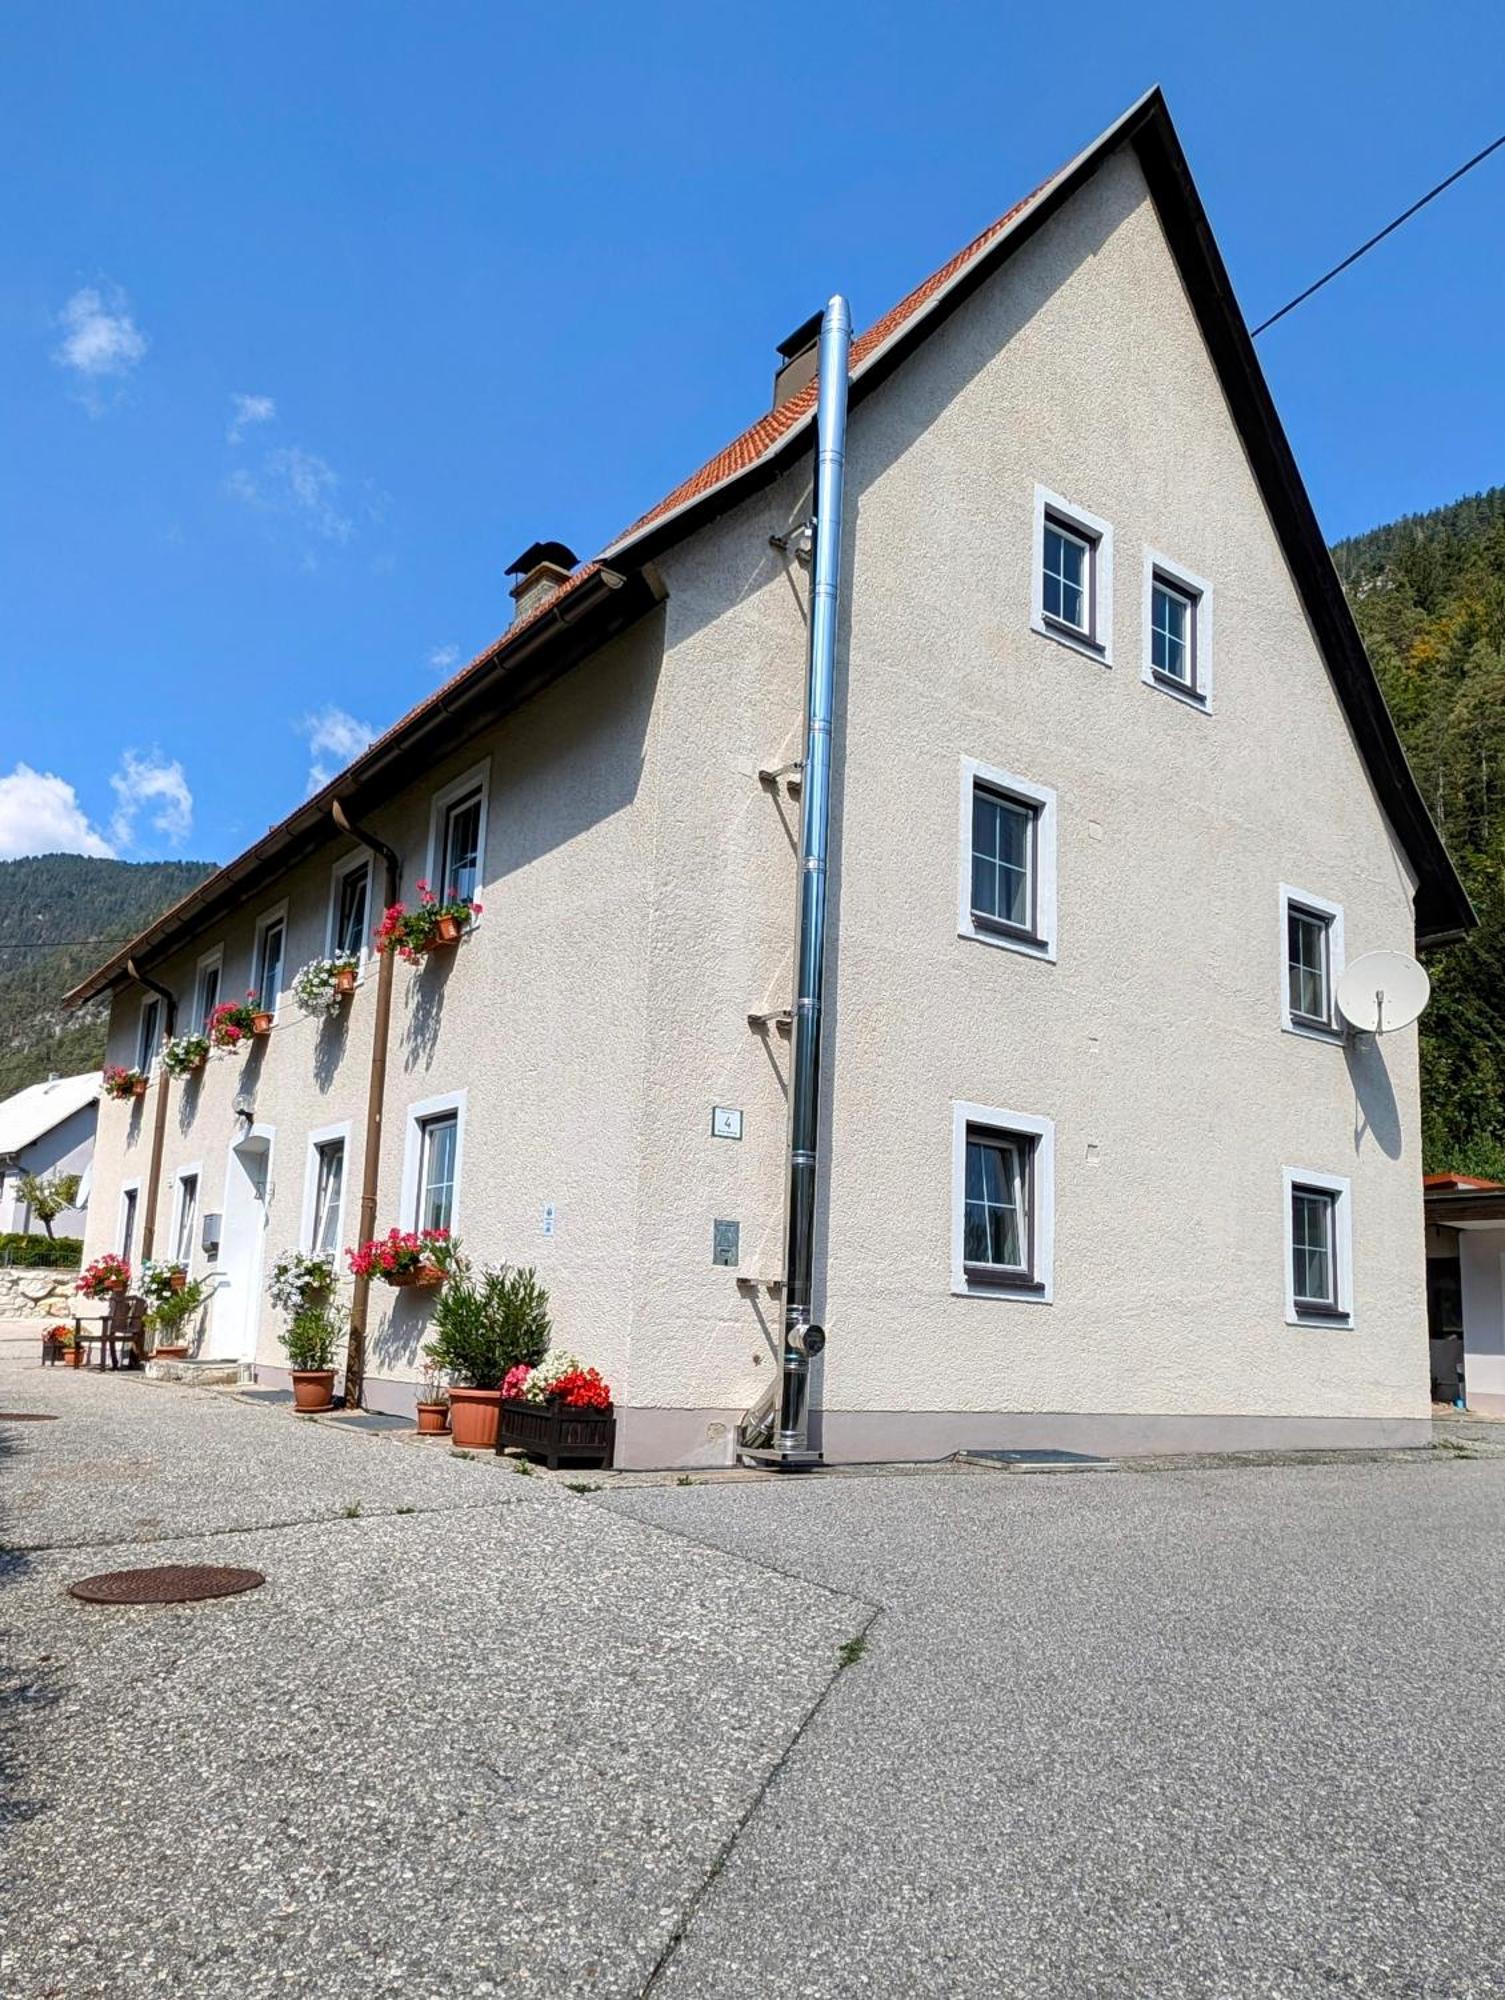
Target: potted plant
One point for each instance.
(487, 1321)
(311, 1343)
(557, 1411)
(105, 1276)
(231, 1025)
(185, 1055)
(121, 1083)
(160, 1278)
(433, 1403)
(404, 1257)
(261, 1015)
(168, 1314)
(436, 921)
(323, 983)
(300, 1278)
(74, 1351)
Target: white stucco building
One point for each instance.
(1114, 792)
(47, 1129)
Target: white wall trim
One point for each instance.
(431, 1107)
(1338, 1184)
(1095, 529)
(1043, 797)
(189, 1169)
(477, 775)
(276, 914)
(1335, 962)
(1200, 590)
(1043, 1219)
(321, 1135)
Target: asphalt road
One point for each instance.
(1222, 1731)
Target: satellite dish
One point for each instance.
(1381, 991)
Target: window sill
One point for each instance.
(1190, 697)
(1324, 1316)
(1046, 627)
(983, 1281)
(978, 930)
(1313, 1031)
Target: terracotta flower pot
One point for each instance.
(425, 1275)
(433, 1419)
(138, 1088)
(178, 1281)
(313, 1388)
(446, 931)
(344, 980)
(176, 1350)
(74, 1356)
(473, 1418)
(261, 1022)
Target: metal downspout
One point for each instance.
(802, 1339)
(376, 1091)
(159, 1108)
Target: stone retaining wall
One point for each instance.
(36, 1294)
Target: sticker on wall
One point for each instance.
(550, 1218)
(726, 1122)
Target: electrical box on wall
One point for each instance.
(209, 1235)
(725, 1242)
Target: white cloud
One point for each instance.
(298, 484)
(334, 739)
(246, 411)
(100, 339)
(443, 658)
(150, 784)
(40, 814)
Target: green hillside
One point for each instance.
(1429, 595)
(60, 914)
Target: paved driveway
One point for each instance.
(1224, 1731)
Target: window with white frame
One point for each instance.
(188, 1209)
(1318, 1247)
(349, 915)
(266, 978)
(1072, 591)
(128, 1205)
(1312, 946)
(438, 1160)
(1177, 630)
(460, 870)
(1003, 1194)
(329, 1195)
(1007, 860)
(206, 996)
(147, 1033)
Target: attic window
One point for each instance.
(1072, 591)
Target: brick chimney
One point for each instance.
(539, 570)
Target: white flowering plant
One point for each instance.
(540, 1383)
(324, 982)
(299, 1279)
(159, 1279)
(183, 1054)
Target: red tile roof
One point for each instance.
(1461, 1183)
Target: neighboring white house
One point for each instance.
(1114, 791)
(1466, 1290)
(45, 1129)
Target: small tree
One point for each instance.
(47, 1195)
(486, 1322)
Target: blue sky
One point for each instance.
(312, 317)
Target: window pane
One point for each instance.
(1065, 594)
(462, 859)
(1002, 859)
(327, 1194)
(208, 993)
(1312, 1263)
(436, 1184)
(128, 1226)
(269, 968)
(350, 926)
(994, 1220)
(188, 1201)
(1307, 965)
(146, 1046)
(1170, 633)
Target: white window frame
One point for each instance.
(358, 863)
(276, 915)
(1088, 527)
(128, 1188)
(478, 777)
(1321, 907)
(1334, 1184)
(1043, 1208)
(191, 1170)
(214, 960)
(1043, 799)
(412, 1153)
(1160, 568)
(324, 1135)
(147, 1060)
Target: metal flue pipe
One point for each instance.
(802, 1339)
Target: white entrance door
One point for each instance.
(237, 1297)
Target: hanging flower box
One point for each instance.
(556, 1431)
(404, 1258)
(105, 1276)
(344, 980)
(431, 926)
(122, 1084)
(185, 1055)
(232, 1023)
(422, 1276)
(261, 1021)
(323, 983)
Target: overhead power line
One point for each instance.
(1388, 230)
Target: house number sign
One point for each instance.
(726, 1122)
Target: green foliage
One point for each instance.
(42, 1253)
(47, 1195)
(487, 1321)
(1428, 593)
(68, 897)
(313, 1338)
(171, 1313)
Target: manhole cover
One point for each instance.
(27, 1417)
(169, 1583)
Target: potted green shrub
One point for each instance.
(311, 1342)
(488, 1319)
(169, 1309)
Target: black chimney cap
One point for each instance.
(804, 335)
(543, 552)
